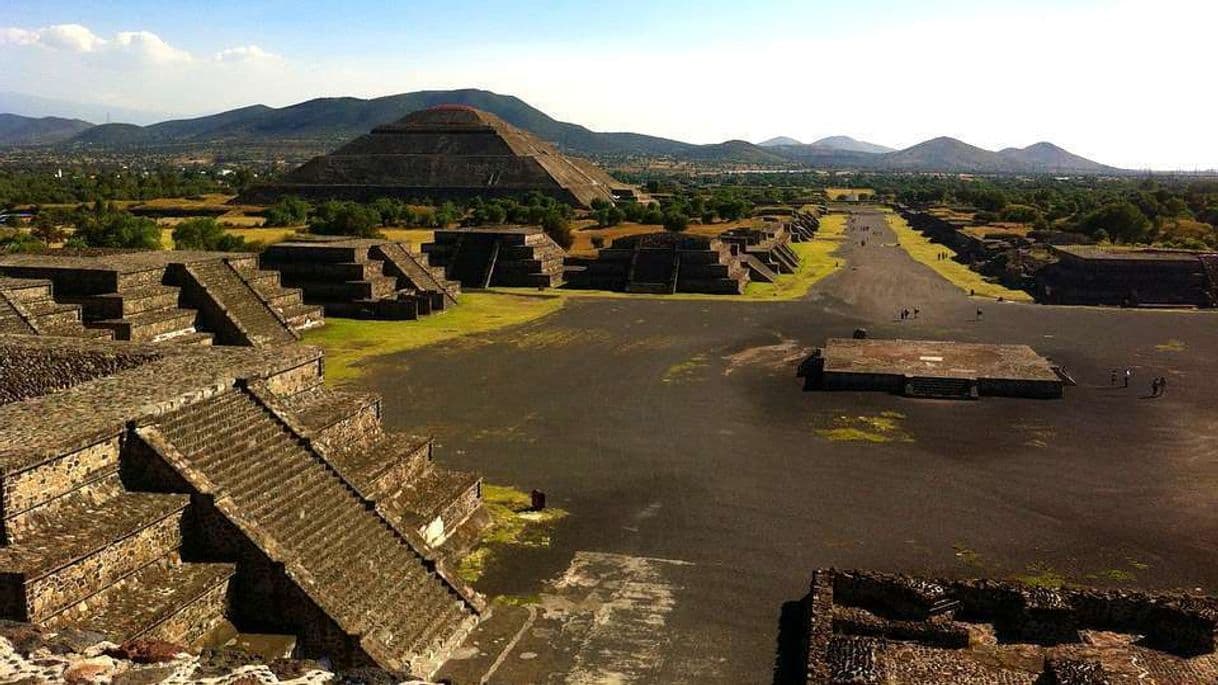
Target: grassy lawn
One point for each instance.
(922, 249)
(839, 193)
(349, 343)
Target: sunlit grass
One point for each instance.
(923, 250)
(513, 524)
(351, 343)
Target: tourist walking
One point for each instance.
(1154, 387)
(979, 313)
(1128, 375)
(1112, 382)
(1162, 385)
(916, 312)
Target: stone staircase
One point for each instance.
(140, 308)
(230, 306)
(288, 302)
(412, 271)
(508, 256)
(95, 556)
(28, 307)
(270, 482)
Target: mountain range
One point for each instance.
(325, 122)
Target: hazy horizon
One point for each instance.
(1113, 81)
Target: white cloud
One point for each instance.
(71, 37)
(147, 46)
(15, 36)
(245, 53)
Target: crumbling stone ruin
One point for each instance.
(506, 256)
(178, 493)
(664, 263)
(765, 250)
(373, 278)
(446, 153)
(1092, 275)
(865, 627)
(157, 296)
(931, 368)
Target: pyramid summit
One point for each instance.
(445, 152)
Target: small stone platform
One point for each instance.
(178, 296)
(931, 368)
(362, 277)
(505, 256)
(665, 263)
(865, 627)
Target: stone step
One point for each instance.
(196, 338)
(338, 419)
(127, 302)
(361, 573)
(150, 325)
(89, 540)
(170, 600)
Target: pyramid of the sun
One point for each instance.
(442, 153)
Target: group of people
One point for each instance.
(943, 256)
(1158, 386)
(909, 313)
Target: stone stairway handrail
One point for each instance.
(21, 313)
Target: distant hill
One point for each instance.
(36, 106)
(325, 123)
(329, 121)
(780, 141)
(18, 130)
(848, 144)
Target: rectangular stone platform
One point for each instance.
(928, 368)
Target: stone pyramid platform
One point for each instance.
(358, 277)
(151, 296)
(173, 492)
(506, 256)
(665, 263)
(444, 153)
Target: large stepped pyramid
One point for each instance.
(163, 296)
(446, 152)
(362, 277)
(506, 256)
(196, 487)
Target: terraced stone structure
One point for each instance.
(181, 492)
(362, 277)
(154, 296)
(863, 627)
(931, 368)
(1092, 275)
(450, 152)
(505, 256)
(665, 263)
(765, 250)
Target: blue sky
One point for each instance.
(993, 73)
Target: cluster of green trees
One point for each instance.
(1177, 212)
(87, 184)
(205, 233)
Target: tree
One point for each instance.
(336, 217)
(556, 226)
(205, 233)
(1122, 221)
(288, 211)
(675, 222)
(104, 226)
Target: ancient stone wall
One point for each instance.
(28, 372)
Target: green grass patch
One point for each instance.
(683, 371)
(1042, 575)
(1173, 345)
(923, 250)
(351, 343)
(513, 524)
(886, 427)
